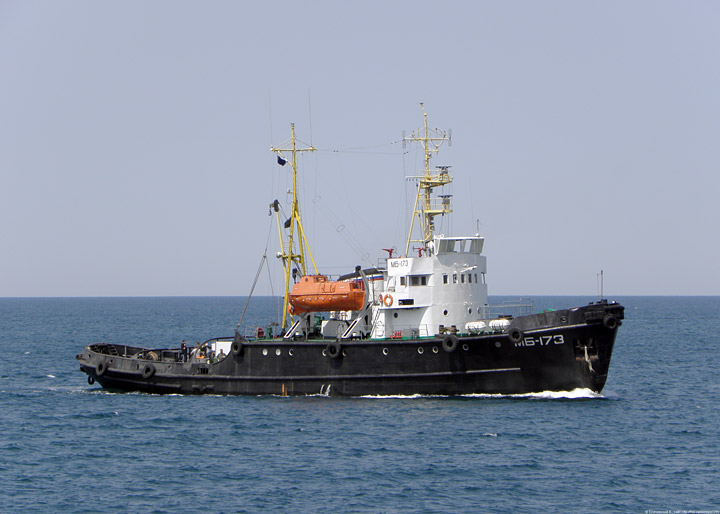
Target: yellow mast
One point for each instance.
(425, 209)
(288, 254)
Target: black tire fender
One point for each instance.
(101, 368)
(236, 348)
(333, 350)
(148, 370)
(91, 380)
(610, 322)
(515, 335)
(450, 343)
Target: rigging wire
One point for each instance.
(345, 233)
(276, 306)
(257, 276)
(359, 149)
(310, 116)
(252, 289)
(270, 115)
(314, 227)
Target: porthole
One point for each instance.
(445, 313)
(420, 350)
(344, 352)
(497, 344)
(264, 351)
(385, 351)
(291, 352)
(324, 353)
(470, 310)
(395, 314)
(466, 347)
(479, 310)
(277, 352)
(435, 349)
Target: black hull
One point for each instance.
(553, 351)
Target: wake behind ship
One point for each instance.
(419, 324)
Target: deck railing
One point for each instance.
(511, 308)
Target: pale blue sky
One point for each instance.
(134, 141)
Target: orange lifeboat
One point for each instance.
(315, 293)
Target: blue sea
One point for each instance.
(649, 443)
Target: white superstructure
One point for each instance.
(440, 287)
(441, 290)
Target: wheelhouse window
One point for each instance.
(461, 245)
(418, 280)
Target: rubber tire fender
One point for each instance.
(101, 368)
(148, 370)
(236, 348)
(333, 350)
(450, 343)
(515, 335)
(610, 322)
(91, 380)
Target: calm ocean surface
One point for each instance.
(651, 442)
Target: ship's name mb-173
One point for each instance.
(541, 340)
(399, 267)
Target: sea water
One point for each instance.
(649, 443)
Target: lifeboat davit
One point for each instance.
(315, 293)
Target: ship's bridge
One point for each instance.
(443, 285)
(469, 244)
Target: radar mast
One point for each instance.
(426, 207)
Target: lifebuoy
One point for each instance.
(101, 368)
(148, 370)
(610, 322)
(333, 350)
(515, 335)
(450, 343)
(388, 300)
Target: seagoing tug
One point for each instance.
(419, 325)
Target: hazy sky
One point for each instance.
(135, 135)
